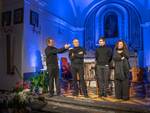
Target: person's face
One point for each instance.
(120, 45)
(75, 43)
(101, 42)
(51, 43)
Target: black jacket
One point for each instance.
(51, 55)
(122, 66)
(103, 55)
(77, 58)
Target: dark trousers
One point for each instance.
(102, 75)
(122, 89)
(53, 75)
(78, 69)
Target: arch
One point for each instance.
(129, 25)
(96, 4)
(111, 25)
(122, 20)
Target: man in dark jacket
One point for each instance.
(76, 56)
(103, 56)
(52, 65)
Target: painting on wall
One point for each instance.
(34, 18)
(6, 18)
(18, 16)
(111, 26)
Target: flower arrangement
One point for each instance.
(21, 98)
(17, 100)
(21, 94)
(39, 83)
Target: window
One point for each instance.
(34, 18)
(6, 18)
(18, 16)
(111, 25)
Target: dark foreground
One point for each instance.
(80, 104)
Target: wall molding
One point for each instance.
(41, 6)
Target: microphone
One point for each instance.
(70, 48)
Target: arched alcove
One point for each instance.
(129, 22)
(122, 22)
(111, 25)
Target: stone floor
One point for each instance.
(70, 104)
(138, 100)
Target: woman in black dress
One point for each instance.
(122, 67)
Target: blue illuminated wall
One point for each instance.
(50, 25)
(129, 25)
(65, 19)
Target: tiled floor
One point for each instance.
(94, 96)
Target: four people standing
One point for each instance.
(103, 55)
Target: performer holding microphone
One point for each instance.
(76, 56)
(52, 65)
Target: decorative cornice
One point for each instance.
(42, 8)
(65, 24)
(41, 3)
(146, 24)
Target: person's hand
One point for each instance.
(72, 54)
(122, 58)
(67, 46)
(80, 53)
(70, 48)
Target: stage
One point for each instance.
(66, 103)
(70, 104)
